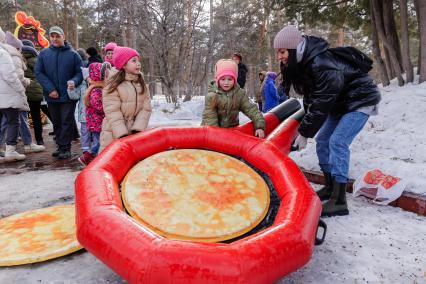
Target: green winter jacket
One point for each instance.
(224, 113)
(34, 91)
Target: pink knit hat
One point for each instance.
(110, 46)
(288, 38)
(122, 55)
(226, 67)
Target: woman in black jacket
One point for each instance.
(338, 99)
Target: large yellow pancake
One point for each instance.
(38, 235)
(195, 195)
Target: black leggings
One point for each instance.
(35, 108)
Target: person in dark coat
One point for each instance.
(94, 55)
(338, 99)
(83, 55)
(58, 68)
(242, 69)
(42, 106)
(34, 92)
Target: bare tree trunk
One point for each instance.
(376, 51)
(390, 29)
(75, 23)
(251, 81)
(262, 35)
(210, 45)
(389, 47)
(65, 12)
(388, 63)
(151, 66)
(268, 40)
(188, 52)
(419, 59)
(52, 4)
(421, 12)
(123, 27)
(385, 52)
(405, 41)
(341, 40)
(166, 92)
(132, 25)
(229, 38)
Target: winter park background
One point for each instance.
(374, 244)
(180, 40)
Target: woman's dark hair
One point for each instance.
(293, 75)
(92, 51)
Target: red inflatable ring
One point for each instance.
(141, 256)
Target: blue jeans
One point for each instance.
(96, 144)
(24, 128)
(10, 127)
(85, 138)
(333, 141)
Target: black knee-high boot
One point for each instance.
(325, 192)
(337, 205)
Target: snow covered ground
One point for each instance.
(374, 244)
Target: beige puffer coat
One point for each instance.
(126, 109)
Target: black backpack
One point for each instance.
(354, 57)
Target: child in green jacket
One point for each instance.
(226, 99)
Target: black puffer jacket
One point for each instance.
(334, 86)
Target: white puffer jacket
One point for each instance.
(19, 63)
(12, 91)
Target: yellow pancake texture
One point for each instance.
(38, 235)
(197, 195)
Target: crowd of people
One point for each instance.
(338, 99)
(56, 80)
(114, 101)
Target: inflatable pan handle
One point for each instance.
(319, 241)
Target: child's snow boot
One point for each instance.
(325, 192)
(86, 158)
(337, 205)
(11, 154)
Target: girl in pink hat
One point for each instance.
(94, 113)
(226, 99)
(109, 51)
(126, 99)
